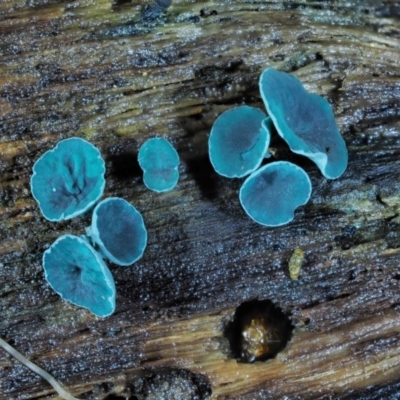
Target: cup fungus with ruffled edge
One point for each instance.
(118, 230)
(305, 121)
(268, 126)
(79, 275)
(238, 141)
(68, 180)
(159, 162)
(271, 194)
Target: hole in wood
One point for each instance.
(258, 331)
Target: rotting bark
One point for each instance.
(96, 70)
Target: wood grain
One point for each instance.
(95, 69)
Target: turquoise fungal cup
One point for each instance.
(68, 180)
(79, 275)
(271, 194)
(118, 231)
(159, 162)
(239, 141)
(305, 121)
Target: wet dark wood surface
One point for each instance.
(94, 69)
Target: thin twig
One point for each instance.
(33, 367)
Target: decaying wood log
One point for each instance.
(98, 70)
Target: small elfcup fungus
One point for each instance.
(240, 137)
(159, 162)
(238, 141)
(271, 194)
(79, 275)
(68, 180)
(118, 230)
(305, 121)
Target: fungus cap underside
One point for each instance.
(305, 121)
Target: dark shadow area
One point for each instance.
(204, 175)
(120, 2)
(195, 155)
(259, 331)
(280, 151)
(122, 162)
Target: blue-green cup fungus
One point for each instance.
(268, 126)
(159, 162)
(79, 275)
(68, 180)
(118, 231)
(271, 194)
(305, 121)
(238, 141)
